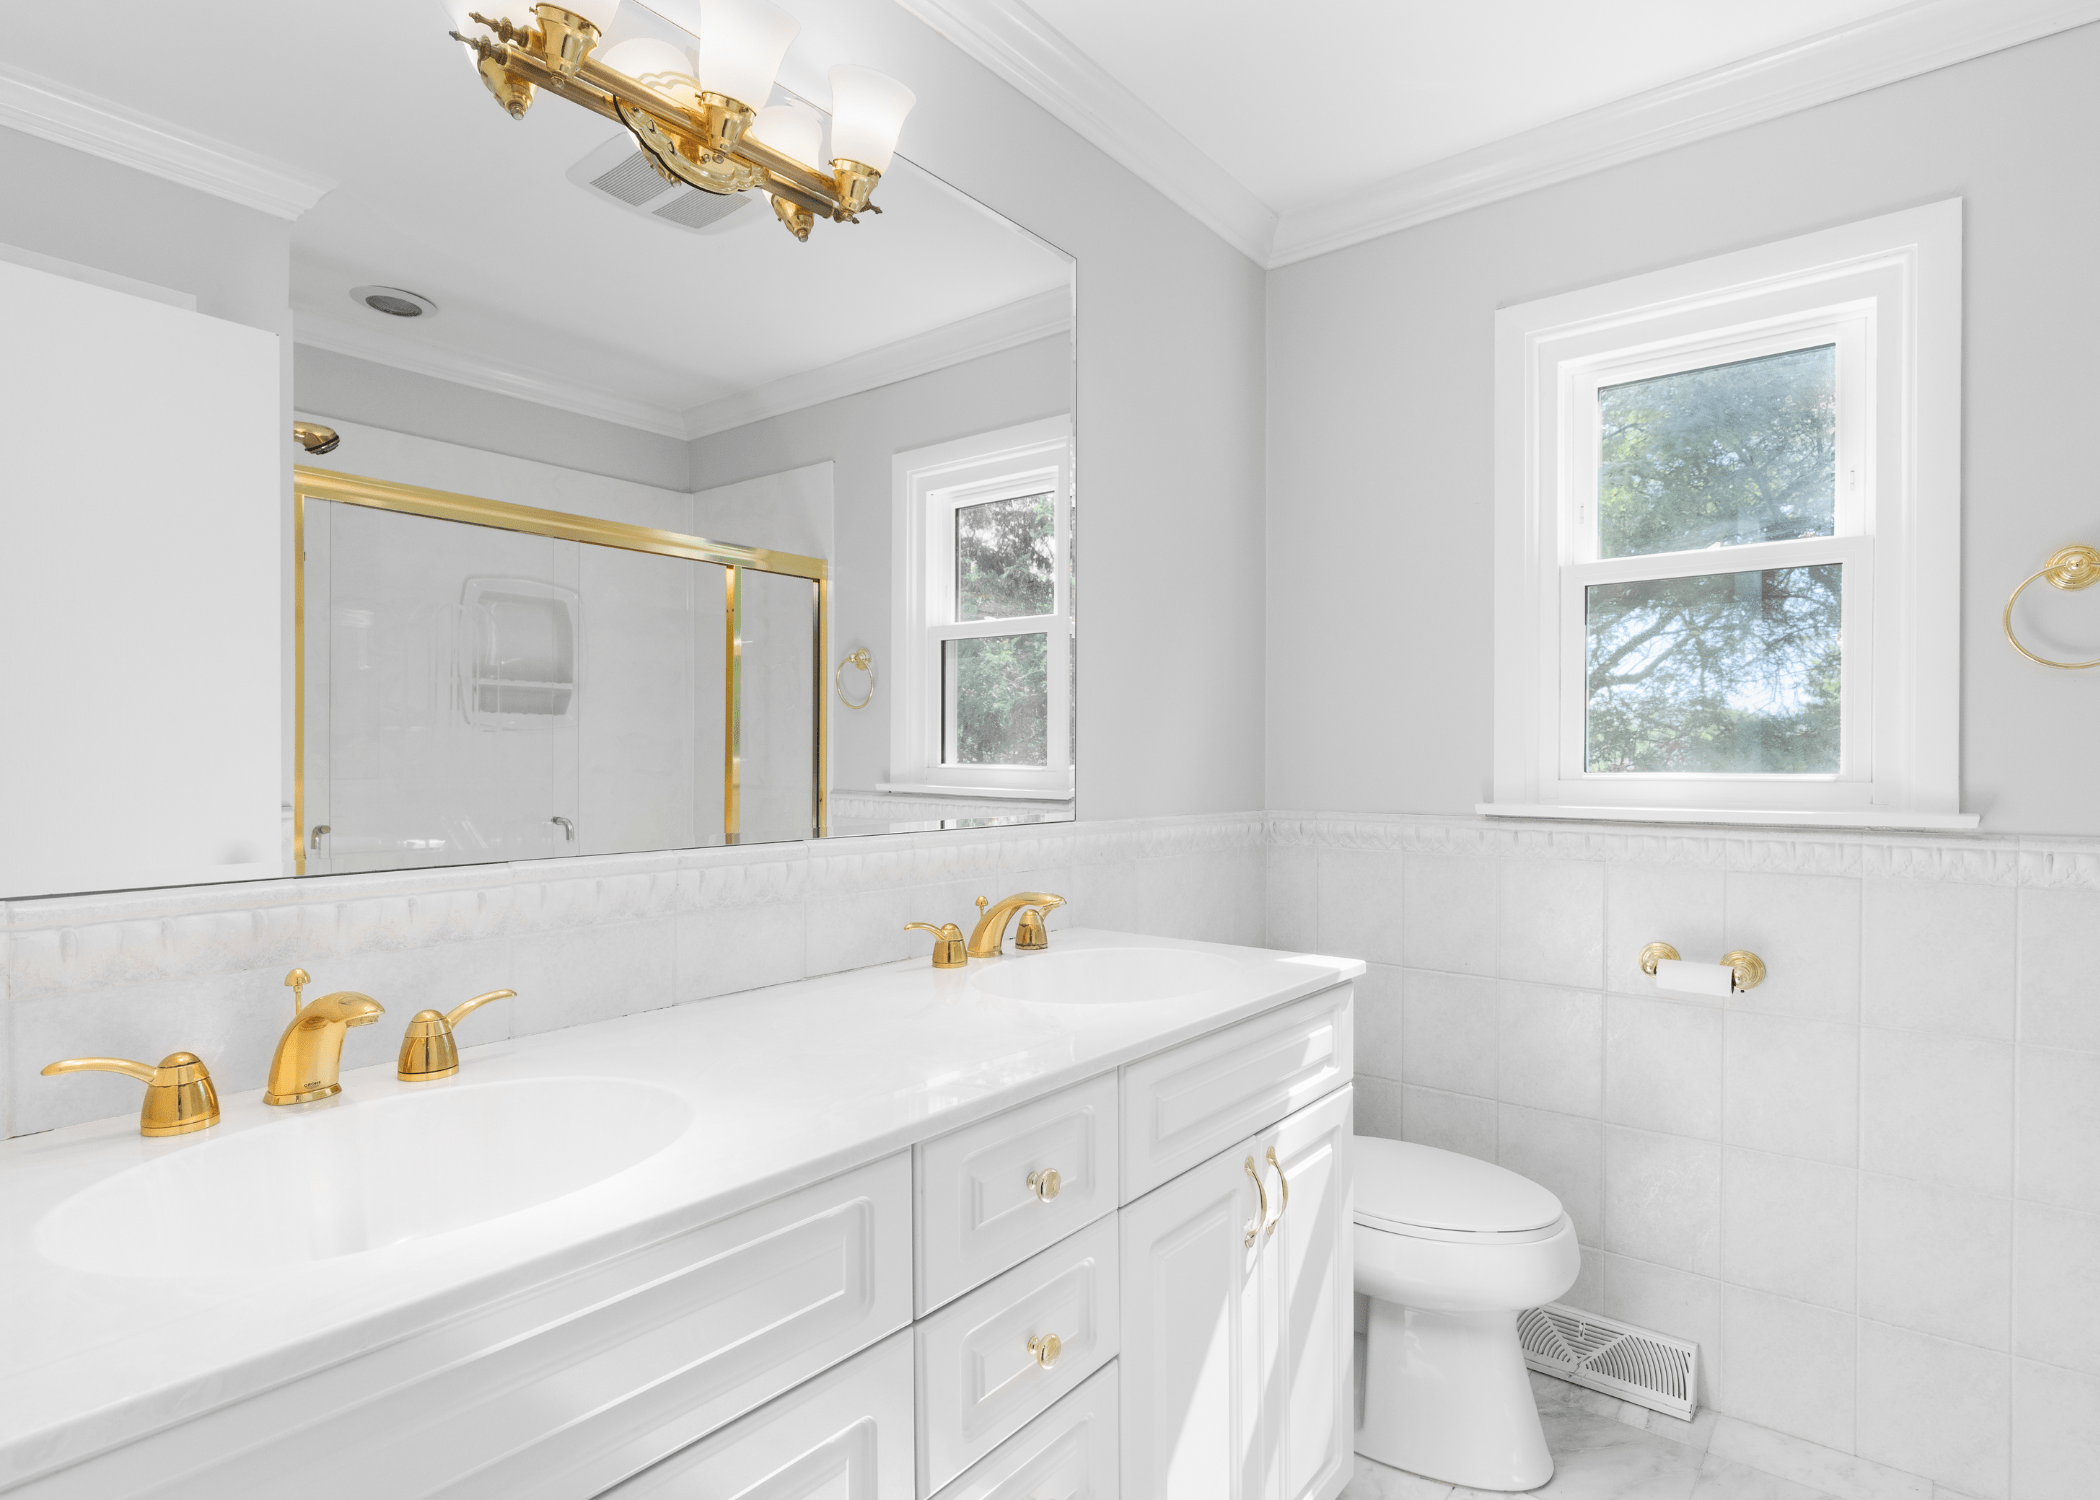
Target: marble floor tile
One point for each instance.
(1725, 1479)
(1375, 1481)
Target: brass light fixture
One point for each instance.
(692, 114)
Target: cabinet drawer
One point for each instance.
(977, 1213)
(846, 1435)
(1068, 1453)
(563, 1389)
(978, 1381)
(1183, 1106)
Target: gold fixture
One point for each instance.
(989, 938)
(1261, 1213)
(179, 1095)
(1031, 934)
(694, 136)
(1284, 1183)
(297, 981)
(947, 943)
(866, 663)
(427, 1048)
(315, 438)
(1749, 968)
(310, 1053)
(443, 505)
(2074, 567)
(1044, 1350)
(1045, 1184)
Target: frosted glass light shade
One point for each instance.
(656, 63)
(867, 112)
(741, 45)
(599, 13)
(793, 129)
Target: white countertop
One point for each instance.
(787, 1086)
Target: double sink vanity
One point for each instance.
(1049, 1225)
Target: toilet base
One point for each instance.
(1446, 1396)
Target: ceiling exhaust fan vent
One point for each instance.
(618, 171)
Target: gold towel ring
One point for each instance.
(866, 663)
(2074, 567)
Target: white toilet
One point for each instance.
(1450, 1249)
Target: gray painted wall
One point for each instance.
(859, 433)
(1381, 423)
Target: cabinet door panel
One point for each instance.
(1308, 1281)
(1184, 1105)
(978, 1381)
(1190, 1367)
(978, 1215)
(846, 1435)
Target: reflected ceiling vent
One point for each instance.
(394, 302)
(619, 172)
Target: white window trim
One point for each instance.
(1888, 292)
(993, 465)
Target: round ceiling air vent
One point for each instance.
(394, 302)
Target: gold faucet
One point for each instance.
(427, 1048)
(179, 1095)
(989, 938)
(310, 1053)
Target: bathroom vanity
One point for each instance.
(1064, 1224)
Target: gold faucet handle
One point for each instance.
(428, 1051)
(1032, 935)
(947, 943)
(467, 1008)
(179, 1094)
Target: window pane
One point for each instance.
(1005, 551)
(1736, 453)
(1722, 672)
(996, 694)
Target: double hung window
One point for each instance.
(1727, 533)
(984, 582)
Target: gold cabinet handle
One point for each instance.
(1045, 1184)
(1262, 1215)
(1284, 1183)
(179, 1094)
(1044, 1350)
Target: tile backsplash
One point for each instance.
(144, 973)
(1869, 1188)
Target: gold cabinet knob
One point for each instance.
(1045, 1350)
(1045, 1184)
(179, 1094)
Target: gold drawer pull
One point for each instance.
(1284, 1183)
(1045, 1184)
(1045, 1350)
(1262, 1214)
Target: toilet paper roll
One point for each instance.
(1695, 979)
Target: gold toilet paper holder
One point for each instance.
(1749, 968)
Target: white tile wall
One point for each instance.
(141, 974)
(1869, 1189)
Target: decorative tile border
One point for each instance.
(1968, 859)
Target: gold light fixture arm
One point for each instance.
(2071, 568)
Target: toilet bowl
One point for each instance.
(1450, 1249)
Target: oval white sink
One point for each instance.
(1103, 976)
(360, 1175)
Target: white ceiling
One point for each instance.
(1359, 90)
(437, 190)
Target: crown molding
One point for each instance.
(101, 127)
(1888, 48)
(1019, 46)
(1007, 327)
(341, 336)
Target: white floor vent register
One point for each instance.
(1648, 1369)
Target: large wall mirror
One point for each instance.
(650, 526)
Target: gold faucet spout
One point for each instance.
(989, 938)
(310, 1053)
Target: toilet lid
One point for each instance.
(1399, 1182)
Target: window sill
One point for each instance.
(1888, 818)
(974, 793)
